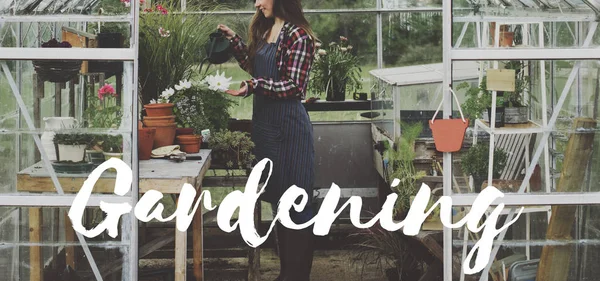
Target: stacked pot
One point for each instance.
(161, 118)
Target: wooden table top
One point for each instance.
(159, 174)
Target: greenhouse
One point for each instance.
(469, 98)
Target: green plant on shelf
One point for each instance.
(112, 144)
(73, 138)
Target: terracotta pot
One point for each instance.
(152, 123)
(189, 143)
(506, 38)
(145, 143)
(448, 134)
(167, 118)
(159, 109)
(184, 131)
(165, 135)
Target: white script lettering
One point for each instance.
(322, 221)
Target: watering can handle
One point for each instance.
(457, 103)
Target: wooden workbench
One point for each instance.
(156, 174)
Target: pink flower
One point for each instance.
(343, 39)
(106, 90)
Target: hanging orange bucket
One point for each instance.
(448, 134)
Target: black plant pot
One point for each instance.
(337, 92)
(499, 116)
(478, 182)
(110, 68)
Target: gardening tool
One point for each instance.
(448, 134)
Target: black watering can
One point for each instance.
(217, 49)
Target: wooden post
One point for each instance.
(180, 254)
(38, 94)
(57, 99)
(555, 259)
(72, 98)
(254, 253)
(119, 87)
(69, 237)
(35, 236)
(197, 242)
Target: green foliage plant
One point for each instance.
(401, 166)
(112, 143)
(475, 161)
(201, 108)
(72, 138)
(171, 45)
(477, 99)
(233, 148)
(515, 98)
(335, 65)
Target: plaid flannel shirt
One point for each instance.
(294, 57)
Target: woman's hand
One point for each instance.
(236, 93)
(226, 30)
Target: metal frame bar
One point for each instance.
(534, 199)
(65, 18)
(447, 111)
(66, 200)
(470, 54)
(67, 54)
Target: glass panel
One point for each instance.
(78, 35)
(62, 7)
(520, 27)
(42, 241)
(567, 245)
(412, 38)
(63, 113)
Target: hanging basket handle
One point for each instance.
(457, 103)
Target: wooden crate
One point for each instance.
(79, 39)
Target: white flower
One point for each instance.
(217, 82)
(163, 32)
(183, 84)
(152, 101)
(318, 45)
(165, 95)
(349, 47)
(127, 4)
(344, 49)
(322, 52)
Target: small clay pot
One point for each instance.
(159, 109)
(184, 131)
(189, 143)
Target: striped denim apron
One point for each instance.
(282, 132)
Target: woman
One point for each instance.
(279, 57)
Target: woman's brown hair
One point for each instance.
(289, 11)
